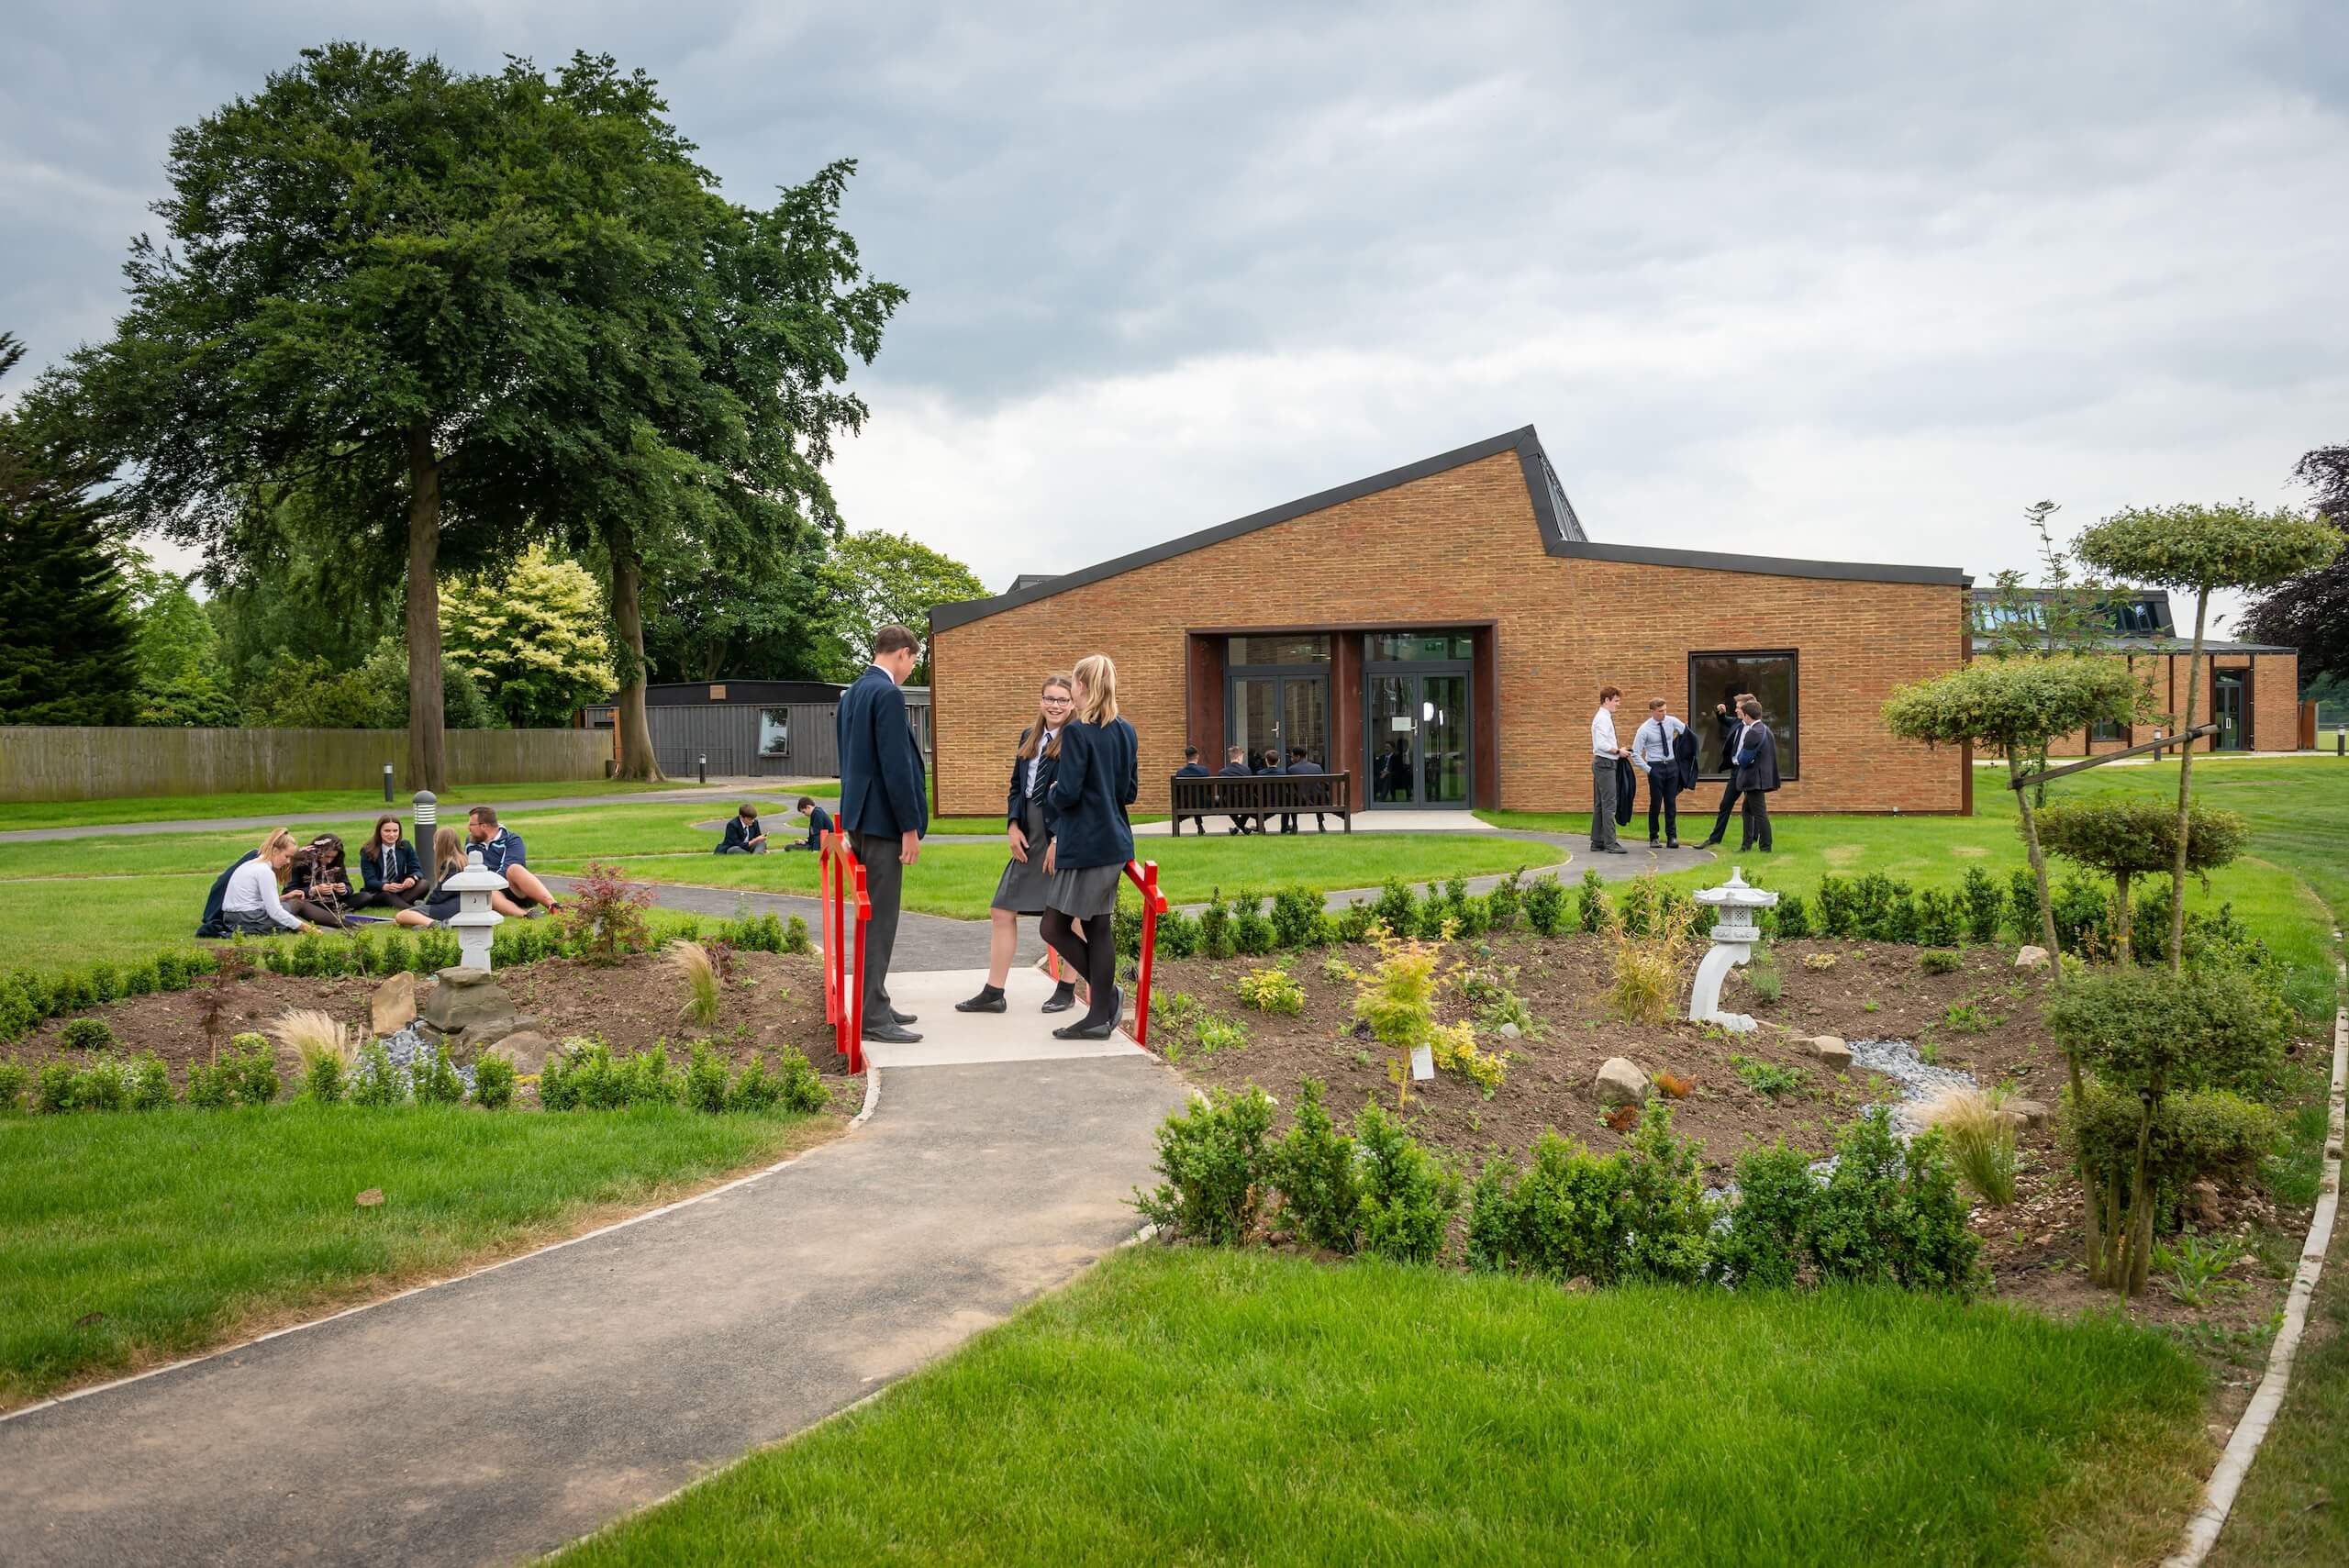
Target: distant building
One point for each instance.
(748, 729)
(2251, 690)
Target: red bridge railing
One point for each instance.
(846, 910)
(1144, 875)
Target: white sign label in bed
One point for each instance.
(1422, 1062)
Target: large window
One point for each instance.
(1717, 680)
(774, 732)
(1281, 648)
(1412, 647)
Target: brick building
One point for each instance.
(1440, 632)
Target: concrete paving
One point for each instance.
(502, 1415)
(1018, 1033)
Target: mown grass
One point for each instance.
(958, 879)
(1205, 1407)
(195, 807)
(135, 1238)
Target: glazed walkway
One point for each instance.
(504, 1414)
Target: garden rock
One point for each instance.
(2202, 1197)
(2032, 958)
(2029, 1113)
(1832, 1050)
(1620, 1083)
(467, 1007)
(393, 1008)
(528, 1050)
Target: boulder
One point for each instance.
(2203, 1202)
(2029, 1113)
(393, 1008)
(1620, 1083)
(1832, 1050)
(528, 1050)
(2032, 958)
(467, 1008)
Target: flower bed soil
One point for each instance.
(1870, 991)
(774, 999)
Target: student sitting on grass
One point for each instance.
(317, 882)
(213, 926)
(743, 834)
(447, 860)
(501, 851)
(249, 906)
(388, 869)
(819, 822)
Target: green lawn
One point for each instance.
(1205, 1407)
(197, 808)
(959, 879)
(2294, 1506)
(180, 1227)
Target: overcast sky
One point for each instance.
(1853, 280)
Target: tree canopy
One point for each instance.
(534, 638)
(2121, 835)
(2018, 704)
(66, 655)
(888, 579)
(2197, 548)
(2311, 612)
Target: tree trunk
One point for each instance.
(2121, 919)
(2136, 1257)
(2097, 1269)
(428, 765)
(637, 760)
(2185, 773)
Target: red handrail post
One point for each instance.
(827, 913)
(1144, 875)
(855, 1003)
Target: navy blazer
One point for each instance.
(1086, 807)
(885, 791)
(1015, 795)
(396, 862)
(819, 822)
(1236, 771)
(1190, 771)
(210, 925)
(1757, 761)
(738, 833)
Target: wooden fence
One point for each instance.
(74, 762)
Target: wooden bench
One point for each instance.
(1263, 796)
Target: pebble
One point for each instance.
(406, 1046)
(1897, 1060)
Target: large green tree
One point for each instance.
(370, 291)
(2200, 549)
(889, 579)
(66, 649)
(533, 636)
(775, 620)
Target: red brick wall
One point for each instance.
(1457, 547)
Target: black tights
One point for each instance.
(1093, 955)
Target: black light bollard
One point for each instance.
(705, 767)
(427, 812)
(387, 784)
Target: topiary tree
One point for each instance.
(2019, 705)
(2196, 548)
(2124, 838)
(2146, 1032)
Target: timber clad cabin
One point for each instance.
(1441, 631)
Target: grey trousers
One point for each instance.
(884, 883)
(1602, 802)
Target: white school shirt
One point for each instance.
(1037, 762)
(252, 890)
(1602, 734)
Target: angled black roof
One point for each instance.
(1562, 536)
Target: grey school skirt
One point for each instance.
(1024, 885)
(1082, 893)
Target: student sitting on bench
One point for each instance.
(743, 834)
(1298, 762)
(819, 822)
(1236, 768)
(1191, 769)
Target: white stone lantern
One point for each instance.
(1733, 937)
(474, 920)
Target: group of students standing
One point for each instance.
(1665, 749)
(282, 886)
(1073, 775)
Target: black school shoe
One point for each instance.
(1063, 998)
(1081, 1030)
(988, 1000)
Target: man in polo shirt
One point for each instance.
(501, 851)
(1606, 750)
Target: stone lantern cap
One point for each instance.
(1733, 896)
(477, 878)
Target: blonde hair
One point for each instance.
(1034, 733)
(448, 850)
(276, 839)
(1099, 679)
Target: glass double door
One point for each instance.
(1277, 713)
(1415, 727)
(2228, 705)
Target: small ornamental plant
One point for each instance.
(1396, 998)
(605, 915)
